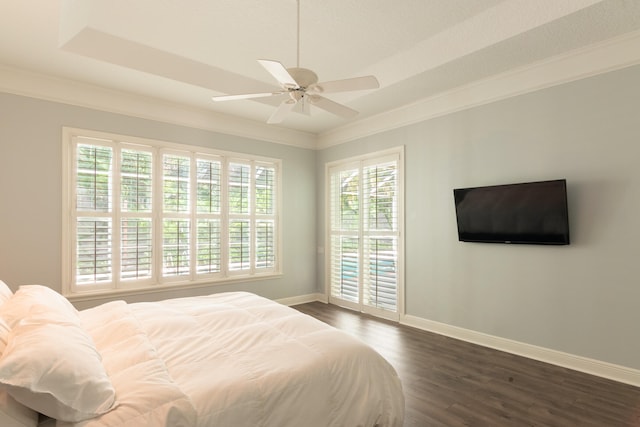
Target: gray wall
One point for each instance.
(581, 299)
(30, 193)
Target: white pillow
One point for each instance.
(12, 413)
(55, 369)
(5, 292)
(37, 301)
(4, 335)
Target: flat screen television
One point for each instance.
(531, 213)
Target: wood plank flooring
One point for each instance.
(451, 383)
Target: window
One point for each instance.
(364, 226)
(143, 214)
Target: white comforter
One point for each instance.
(236, 360)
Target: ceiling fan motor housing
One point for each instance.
(303, 76)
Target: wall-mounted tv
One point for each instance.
(531, 213)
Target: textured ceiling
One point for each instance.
(187, 51)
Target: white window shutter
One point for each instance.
(364, 231)
(143, 213)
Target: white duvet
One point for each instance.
(236, 359)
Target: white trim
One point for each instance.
(41, 86)
(123, 293)
(586, 365)
(65, 244)
(303, 299)
(395, 155)
(578, 363)
(599, 58)
(158, 149)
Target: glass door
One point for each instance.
(364, 235)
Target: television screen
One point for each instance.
(532, 212)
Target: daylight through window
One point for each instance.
(365, 239)
(143, 213)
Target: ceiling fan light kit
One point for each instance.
(301, 84)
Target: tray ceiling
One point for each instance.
(185, 52)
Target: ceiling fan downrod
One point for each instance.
(302, 87)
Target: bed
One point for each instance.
(228, 359)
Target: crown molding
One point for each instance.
(599, 58)
(65, 91)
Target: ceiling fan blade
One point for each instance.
(280, 73)
(245, 96)
(332, 107)
(283, 109)
(346, 85)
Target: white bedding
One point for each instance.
(236, 359)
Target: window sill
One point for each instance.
(115, 293)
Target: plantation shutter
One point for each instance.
(252, 217)
(143, 213)
(208, 209)
(94, 165)
(364, 233)
(380, 235)
(136, 223)
(239, 189)
(265, 220)
(176, 218)
(345, 241)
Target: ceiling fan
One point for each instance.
(301, 84)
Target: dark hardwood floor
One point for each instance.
(449, 383)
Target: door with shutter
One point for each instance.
(364, 242)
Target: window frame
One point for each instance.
(71, 137)
(360, 233)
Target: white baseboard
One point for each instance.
(598, 368)
(303, 299)
(578, 363)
